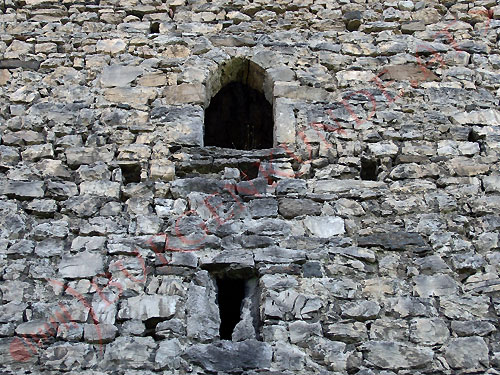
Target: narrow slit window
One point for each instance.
(230, 295)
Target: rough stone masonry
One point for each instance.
(365, 242)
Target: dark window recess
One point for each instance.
(249, 171)
(154, 28)
(239, 117)
(230, 294)
(131, 173)
(150, 326)
(369, 169)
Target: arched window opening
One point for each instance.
(239, 115)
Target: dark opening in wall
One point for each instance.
(131, 173)
(230, 296)
(150, 326)
(154, 28)
(369, 169)
(249, 171)
(239, 117)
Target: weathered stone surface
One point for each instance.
(23, 190)
(291, 208)
(101, 188)
(265, 207)
(130, 352)
(468, 353)
(162, 170)
(184, 93)
(70, 331)
(37, 328)
(183, 124)
(464, 307)
(484, 117)
(413, 306)
(279, 255)
(49, 247)
(146, 307)
(472, 328)
(37, 152)
(367, 237)
(410, 72)
(203, 313)
(391, 330)
(429, 331)
(12, 312)
(119, 75)
(394, 240)
(340, 186)
(229, 356)
(347, 332)
(395, 356)
(435, 286)
(88, 155)
(17, 63)
(361, 310)
(168, 354)
(324, 226)
(111, 46)
(84, 264)
(491, 184)
(12, 220)
(134, 96)
(99, 333)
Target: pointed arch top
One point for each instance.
(243, 70)
(238, 113)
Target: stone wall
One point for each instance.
(368, 238)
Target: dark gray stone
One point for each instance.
(290, 208)
(395, 241)
(23, 190)
(16, 63)
(264, 207)
(231, 356)
(472, 328)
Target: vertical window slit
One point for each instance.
(230, 295)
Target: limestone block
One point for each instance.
(394, 355)
(437, 286)
(148, 306)
(108, 189)
(111, 46)
(427, 331)
(119, 75)
(130, 353)
(185, 93)
(468, 353)
(162, 170)
(324, 226)
(19, 49)
(203, 318)
(84, 264)
(226, 355)
(361, 310)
